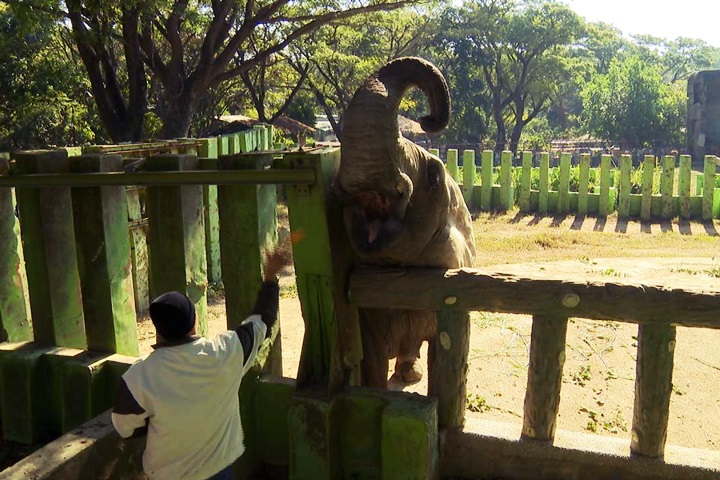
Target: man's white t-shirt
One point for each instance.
(190, 394)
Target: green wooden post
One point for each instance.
(14, 320)
(525, 180)
(259, 133)
(248, 220)
(452, 163)
(709, 187)
(666, 186)
(604, 206)
(625, 173)
(448, 374)
(138, 248)
(684, 176)
(223, 145)
(268, 138)
(307, 211)
(434, 151)
(544, 183)
(653, 388)
(208, 161)
(234, 143)
(564, 185)
(547, 358)
(506, 189)
(248, 224)
(176, 238)
(583, 180)
(647, 187)
(468, 185)
(103, 254)
(50, 253)
(487, 180)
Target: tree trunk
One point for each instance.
(517, 129)
(176, 115)
(499, 121)
(122, 120)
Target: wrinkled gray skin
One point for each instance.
(400, 208)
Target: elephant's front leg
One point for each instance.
(374, 365)
(419, 326)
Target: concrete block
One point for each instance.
(23, 390)
(92, 451)
(273, 399)
(85, 393)
(313, 447)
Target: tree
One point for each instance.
(187, 47)
(521, 47)
(632, 103)
(456, 55)
(339, 57)
(43, 101)
(678, 58)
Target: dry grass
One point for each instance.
(519, 238)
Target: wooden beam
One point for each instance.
(538, 293)
(156, 178)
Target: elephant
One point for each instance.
(400, 208)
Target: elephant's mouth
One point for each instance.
(374, 225)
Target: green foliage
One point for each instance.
(518, 50)
(339, 57)
(632, 103)
(44, 100)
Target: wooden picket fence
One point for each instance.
(660, 188)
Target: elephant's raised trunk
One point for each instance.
(371, 141)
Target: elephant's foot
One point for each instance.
(409, 371)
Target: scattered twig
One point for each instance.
(706, 363)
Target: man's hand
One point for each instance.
(279, 258)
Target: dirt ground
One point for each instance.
(599, 374)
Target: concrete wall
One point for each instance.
(92, 451)
(703, 124)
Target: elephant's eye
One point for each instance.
(433, 177)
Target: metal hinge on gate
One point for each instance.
(302, 190)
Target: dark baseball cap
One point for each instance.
(173, 315)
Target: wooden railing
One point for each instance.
(551, 295)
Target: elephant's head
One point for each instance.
(395, 193)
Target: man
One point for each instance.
(184, 395)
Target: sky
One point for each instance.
(661, 18)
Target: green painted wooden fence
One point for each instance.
(61, 358)
(659, 188)
(70, 272)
